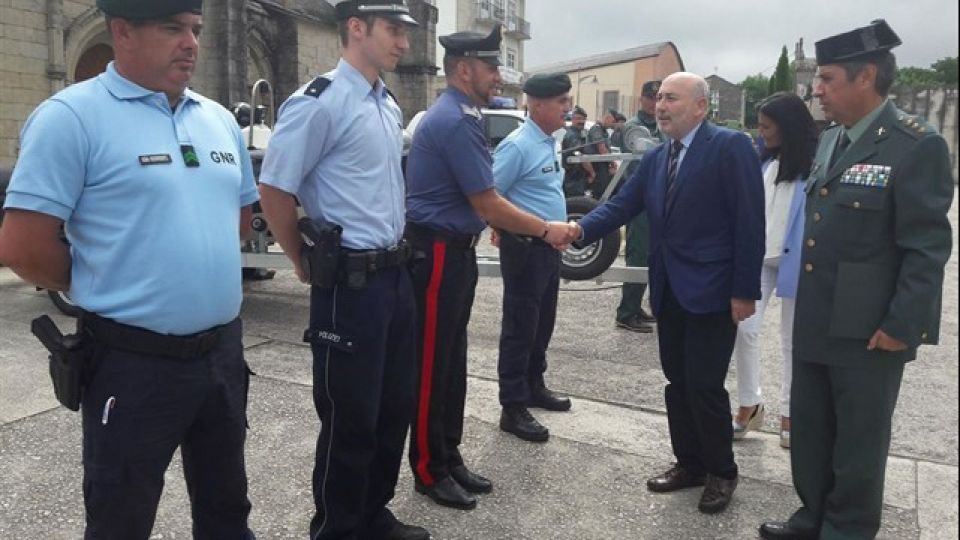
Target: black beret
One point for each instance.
(860, 44)
(579, 110)
(149, 9)
(475, 45)
(650, 88)
(547, 85)
(389, 9)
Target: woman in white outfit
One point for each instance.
(790, 141)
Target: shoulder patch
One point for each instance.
(317, 87)
(470, 111)
(393, 97)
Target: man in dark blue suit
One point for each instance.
(703, 193)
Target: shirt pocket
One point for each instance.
(861, 214)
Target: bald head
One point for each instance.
(682, 104)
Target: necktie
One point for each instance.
(841, 148)
(672, 169)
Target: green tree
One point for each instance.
(782, 80)
(756, 88)
(946, 69)
(914, 77)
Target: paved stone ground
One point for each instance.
(585, 484)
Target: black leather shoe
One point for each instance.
(635, 324)
(449, 493)
(675, 479)
(646, 317)
(717, 495)
(407, 532)
(542, 397)
(471, 481)
(775, 530)
(517, 419)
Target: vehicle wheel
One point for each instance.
(588, 262)
(64, 304)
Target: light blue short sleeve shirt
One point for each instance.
(339, 152)
(154, 243)
(527, 172)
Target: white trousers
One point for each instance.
(746, 352)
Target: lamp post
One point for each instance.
(580, 80)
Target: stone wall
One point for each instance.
(285, 41)
(23, 68)
(938, 106)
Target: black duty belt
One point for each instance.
(137, 340)
(426, 234)
(378, 259)
(533, 240)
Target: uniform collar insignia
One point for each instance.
(470, 110)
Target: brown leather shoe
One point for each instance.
(675, 479)
(717, 495)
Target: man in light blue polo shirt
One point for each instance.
(148, 178)
(527, 172)
(337, 149)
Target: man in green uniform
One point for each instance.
(876, 241)
(630, 312)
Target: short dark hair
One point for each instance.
(886, 64)
(344, 30)
(798, 135)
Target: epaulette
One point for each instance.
(471, 111)
(393, 97)
(317, 87)
(913, 123)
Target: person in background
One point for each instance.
(630, 313)
(790, 137)
(577, 175)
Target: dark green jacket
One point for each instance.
(876, 241)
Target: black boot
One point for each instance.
(401, 531)
(542, 397)
(517, 419)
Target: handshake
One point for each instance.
(560, 235)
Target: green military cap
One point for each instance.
(547, 85)
(475, 45)
(148, 9)
(650, 88)
(860, 44)
(388, 9)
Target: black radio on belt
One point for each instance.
(320, 253)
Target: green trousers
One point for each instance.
(638, 248)
(840, 438)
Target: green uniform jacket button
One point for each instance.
(811, 243)
(824, 192)
(808, 268)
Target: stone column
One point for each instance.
(56, 64)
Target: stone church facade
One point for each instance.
(46, 45)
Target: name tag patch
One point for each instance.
(862, 174)
(156, 159)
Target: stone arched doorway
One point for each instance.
(93, 62)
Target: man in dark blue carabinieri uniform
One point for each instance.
(450, 202)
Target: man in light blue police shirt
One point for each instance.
(337, 148)
(149, 178)
(527, 173)
(452, 199)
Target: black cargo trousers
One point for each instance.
(139, 408)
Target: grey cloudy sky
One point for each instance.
(732, 38)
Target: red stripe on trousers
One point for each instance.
(429, 354)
